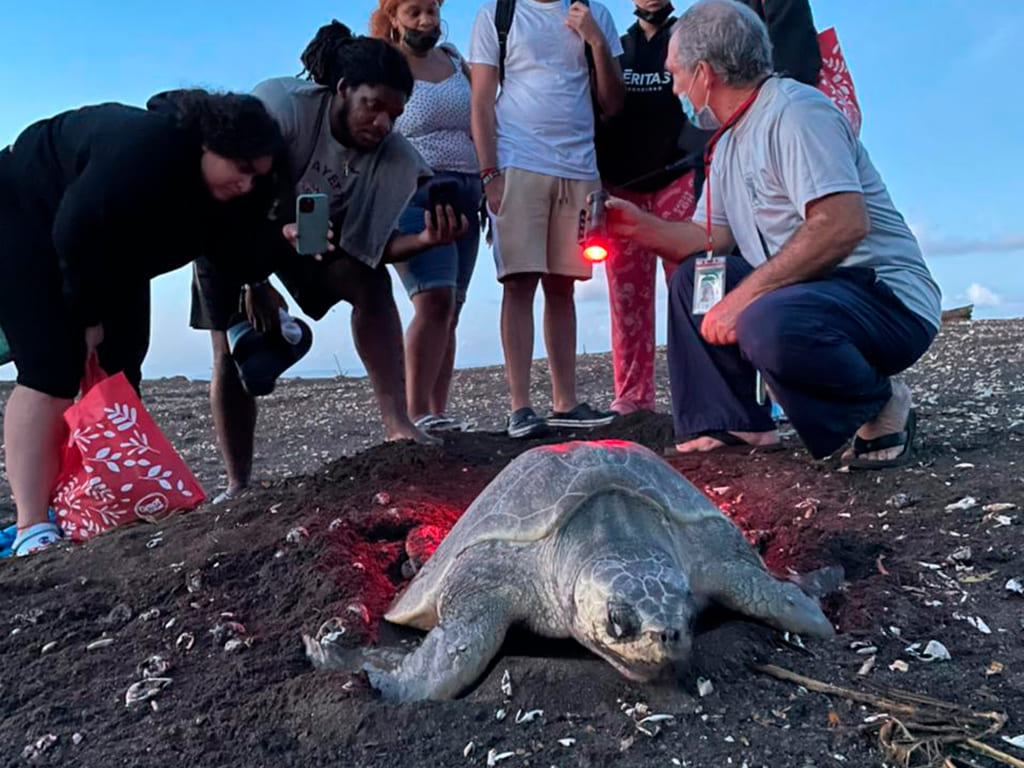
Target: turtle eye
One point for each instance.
(623, 622)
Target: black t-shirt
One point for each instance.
(651, 131)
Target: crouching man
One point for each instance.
(831, 299)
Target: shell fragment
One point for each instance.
(967, 502)
(934, 651)
(494, 757)
(528, 717)
(144, 690)
(704, 687)
(506, 684)
(567, 742)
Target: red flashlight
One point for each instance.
(593, 228)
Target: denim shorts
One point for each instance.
(446, 266)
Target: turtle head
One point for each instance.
(637, 614)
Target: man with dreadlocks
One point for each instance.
(337, 126)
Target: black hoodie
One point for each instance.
(119, 192)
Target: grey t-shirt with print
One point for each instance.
(367, 190)
(794, 147)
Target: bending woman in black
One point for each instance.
(94, 203)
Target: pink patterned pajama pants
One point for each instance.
(631, 274)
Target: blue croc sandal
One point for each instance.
(35, 539)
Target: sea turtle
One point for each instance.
(603, 542)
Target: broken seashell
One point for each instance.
(493, 757)
(468, 749)
(35, 750)
(528, 717)
(867, 666)
(962, 555)
(49, 646)
(967, 502)
(296, 534)
(194, 581)
(154, 666)
(934, 651)
(653, 719)
(999, 507)
(336, 523)
(899, 666)
(150, 615)
(995, 668)
(704, 687)
(233, 645)
(334, 626)
(382, 499)
(1015, 585)
(975, 621)
(500, 715)
(155, 542)
(77, 738)
(144, 690)
(567, 742)
(901, 501)
(103, 642)
(227, 630)
(185, 641)
(506, 684)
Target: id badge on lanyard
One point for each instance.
(708, 282)
(709, 271)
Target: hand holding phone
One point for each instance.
(440, 196)
(312, 221)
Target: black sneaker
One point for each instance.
(526, 423)
(582, 417)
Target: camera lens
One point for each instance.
(306, 205)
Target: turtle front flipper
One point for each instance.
(452, 656)
(748, 589)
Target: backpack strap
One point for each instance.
(503, 13)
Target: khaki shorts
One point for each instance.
(537, 228)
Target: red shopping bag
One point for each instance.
(835, 80)
(117, 466)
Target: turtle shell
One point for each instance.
(536, 494)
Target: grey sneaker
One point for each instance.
(526, 423)
(581, 417)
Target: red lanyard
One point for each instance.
(709, 154)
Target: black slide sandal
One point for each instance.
(903, 438)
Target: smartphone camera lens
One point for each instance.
(306, 205)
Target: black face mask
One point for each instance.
(657, 18)
(421, 42)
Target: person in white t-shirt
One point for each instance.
(831, 299)
(535, 143)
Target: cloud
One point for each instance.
(960, 246)
(981, 296)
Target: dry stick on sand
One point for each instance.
(906, 703)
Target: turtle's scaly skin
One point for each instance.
(601, 541)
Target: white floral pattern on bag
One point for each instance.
(835, 80)
(122, 477)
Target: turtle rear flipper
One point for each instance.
(751, 590)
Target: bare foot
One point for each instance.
(891, 420)
(706, 444)
(409, 431)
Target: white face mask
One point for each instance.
(703, 118)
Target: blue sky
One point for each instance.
(938, 81)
